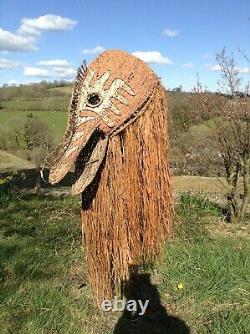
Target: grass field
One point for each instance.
(203, 278)
(12, 162)
(65, 90)
(56, 120)
(39, 104)
(50, 108)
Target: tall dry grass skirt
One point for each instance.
(129, 216)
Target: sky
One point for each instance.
(48, 39)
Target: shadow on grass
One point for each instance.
(6, 252)
(26, 179)
(156, 319)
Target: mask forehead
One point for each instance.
(117, 84)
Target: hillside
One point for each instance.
(189, 131)
(12, 162)
(50, 105)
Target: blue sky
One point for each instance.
(47, 40)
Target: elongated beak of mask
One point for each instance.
(107, 96)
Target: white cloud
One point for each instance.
(207, 55)
(14, 42)
(52, 68)
(51, 72)
(217, 68)
(170, 32)
(8, 64)
(26, 36)
(97, 49)
(13, 83)
(152, 57)
(213, 68)
(54, 62)
(36, 72)
(21, 82)
(63, 72)
(188, 65)
(46, 23)
(244, 70)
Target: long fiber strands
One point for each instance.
(130, 215)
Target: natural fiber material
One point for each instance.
(106, 97)
(117, 140)
(130, 215)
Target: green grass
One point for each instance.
(204, 128)
(50, 105)
(65, 90)
(214, 274)
(40, 104)
(43, 274)
(40, 244)
(56, 120)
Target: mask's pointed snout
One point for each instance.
(65, 161)
(91, 167)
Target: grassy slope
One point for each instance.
(65, 90)
(43, 277)
(50, 109)
(12, 162)
(45, 104)
(56, 120)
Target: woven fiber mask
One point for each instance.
(118, 142)
(107, 96)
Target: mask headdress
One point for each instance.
(106, 96)
(117, 139)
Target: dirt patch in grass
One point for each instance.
(220, 228)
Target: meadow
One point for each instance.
(56, 120)
(203, 277)
(48, 105)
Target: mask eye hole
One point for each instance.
(94, 100)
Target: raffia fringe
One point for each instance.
(130, 216)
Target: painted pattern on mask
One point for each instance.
(102, 99)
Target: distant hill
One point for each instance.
(190, 128)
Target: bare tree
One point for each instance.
(233, 133)
(38, 141)
(231, 128)
(230, 80)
